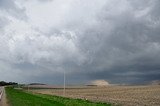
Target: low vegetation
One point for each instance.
(22, 98)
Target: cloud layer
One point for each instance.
(116, 40)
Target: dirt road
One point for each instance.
(3, 101)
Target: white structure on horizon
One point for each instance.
(64, 86)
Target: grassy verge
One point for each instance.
(21, 98)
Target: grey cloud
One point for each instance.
(45, 0)
(131, 46)
(113, 40)
(3, 22)
(11, 7)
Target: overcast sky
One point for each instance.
(114, 40)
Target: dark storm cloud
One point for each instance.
(116, 40)
(130, 53)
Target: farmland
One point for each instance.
(121, 95)
(22, 98)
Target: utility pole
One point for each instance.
(28, 87)
(64, 86)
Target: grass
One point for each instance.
(21, 98)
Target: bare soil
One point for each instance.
(121, 95)
(3, 101)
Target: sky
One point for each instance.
(113, 40)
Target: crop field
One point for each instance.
(22, 98)
(121, 95)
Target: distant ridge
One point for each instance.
(155, 82)
(98, 83)
(36, 84)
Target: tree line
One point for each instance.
(3, 83)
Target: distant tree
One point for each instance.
(3, 83)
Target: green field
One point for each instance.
(22, 98)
